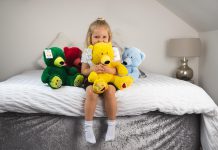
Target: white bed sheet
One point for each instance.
(25, 93)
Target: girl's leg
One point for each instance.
(111, 110)
(110, 102)
(90, 105)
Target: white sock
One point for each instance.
(110, 135)
(89, 134)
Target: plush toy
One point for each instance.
(132, 58)
(73, 57)
(103, 53)
(56, 73)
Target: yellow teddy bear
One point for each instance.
(103, 53)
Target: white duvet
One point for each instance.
(25, 93)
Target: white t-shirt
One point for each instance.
(87, 56)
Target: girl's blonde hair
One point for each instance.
(100, 22)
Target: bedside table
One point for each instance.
(191, 81)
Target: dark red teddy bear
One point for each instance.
(73, 57)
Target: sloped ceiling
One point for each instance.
(200, 14)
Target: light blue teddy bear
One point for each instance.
(132, 57)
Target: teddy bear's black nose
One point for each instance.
(125, 63)
(107, 62)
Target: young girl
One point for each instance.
(99, 31)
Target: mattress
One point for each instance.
(150, 131)
(25, 93)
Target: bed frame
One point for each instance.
(150, 131)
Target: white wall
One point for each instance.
(28, 26)
(208, 66)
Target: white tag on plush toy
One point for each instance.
(48, 54)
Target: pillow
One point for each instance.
(142, 74)
(61, 41)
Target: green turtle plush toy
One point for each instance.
(56, 73)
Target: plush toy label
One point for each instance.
(48, 54)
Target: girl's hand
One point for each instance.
(109, 70)
(98, 68)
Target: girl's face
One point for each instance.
(100, 34)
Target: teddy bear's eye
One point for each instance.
(102, 53)
(131, 57)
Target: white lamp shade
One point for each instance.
(184, 47)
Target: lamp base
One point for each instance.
(184, 72)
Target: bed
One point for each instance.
(156, 112)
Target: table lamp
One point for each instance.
(183, 48)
